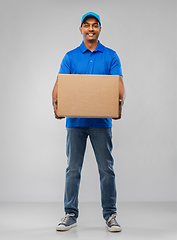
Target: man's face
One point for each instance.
(90, 30)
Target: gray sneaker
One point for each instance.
(112, 225)
(67, 222)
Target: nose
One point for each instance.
(90, 27)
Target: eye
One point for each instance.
(95, 25)
(86, 25)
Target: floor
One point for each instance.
(38, 221)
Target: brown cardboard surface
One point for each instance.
(90, 96)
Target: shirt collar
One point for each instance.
(99, 47)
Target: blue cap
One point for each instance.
(90, 14)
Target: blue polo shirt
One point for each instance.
(102, 61)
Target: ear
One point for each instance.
(80, 28)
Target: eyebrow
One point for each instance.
(89, 23)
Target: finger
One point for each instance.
(57, 117)
(55, 103)
(55, 112)
(55, 109)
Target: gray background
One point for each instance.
(34, 37)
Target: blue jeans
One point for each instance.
(101, 140)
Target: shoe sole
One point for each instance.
(114, 229)
(64, 228)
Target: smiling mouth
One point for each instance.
(90, 34)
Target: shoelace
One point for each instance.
(66, 218)
(112, 218)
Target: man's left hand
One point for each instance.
(120, 110)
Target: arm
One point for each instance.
(115, 69)
(55, 99)
(121, 96)
(64, 69)
(121, 90)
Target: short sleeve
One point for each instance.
(65, 66)
(115, 67)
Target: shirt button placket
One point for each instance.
(89, 69)
(91, 57)
(91, 63)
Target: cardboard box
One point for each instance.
(89, 96)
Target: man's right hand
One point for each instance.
(55, 110)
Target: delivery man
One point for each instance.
(91, 57)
